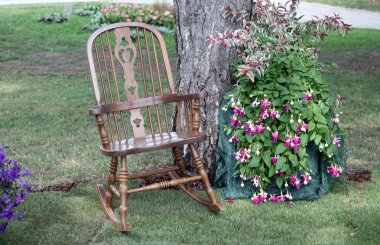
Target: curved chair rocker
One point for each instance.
(123, 56)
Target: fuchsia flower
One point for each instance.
(272, 114)
(336, 141)
(307, 96)
(237, 155)
(260, 129)
(265, 103)
(334, 170)
(264, 114)
(304, 127)
(281, 198)
(293, 179)
(305, 179)
(250, 129)
(256, 181)
(286, 108)
(255, 200)
(278, 173)
(245, 154)
(234, 139)
(233, 121)
(287, 143)
(238, 111)
(274, 159)
(273, 198)
(255, 103)
(335, 120)
(298, 129)
(296, 140)
(275, 136)
(295, 148)
(295, 182)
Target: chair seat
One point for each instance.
(149, 143)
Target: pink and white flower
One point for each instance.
(255, 103)
(260, 129)
(275, 136)
(255, 181)
(286, 108)
(305, 179)
(274, 159)
(308, 96)
(335, 120)
(234, 139)
(334, 170)
(336, 141)
(265, 103)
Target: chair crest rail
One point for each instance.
(138, 103)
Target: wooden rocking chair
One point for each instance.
(123, 56)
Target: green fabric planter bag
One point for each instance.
(231, 185)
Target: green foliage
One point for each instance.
(281, 103)
(52, 18)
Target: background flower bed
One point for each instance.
(161, 16)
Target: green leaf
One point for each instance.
(280, 149)
(279, 181)
(317, 139)
(285, 167)
(322, 128)
(311, 126)
(249, 138)
(312, 136)
(272, 171)
(321, 119)
(266, 158)
(280, 162)
(301, 152)
(255, 162)
(304, 139)
(294, 160)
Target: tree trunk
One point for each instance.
(201, 68)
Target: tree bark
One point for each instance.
(204, 68)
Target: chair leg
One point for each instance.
(106, 197)
(111, 180)
(178, 157)
(123, 179)
(213, 204)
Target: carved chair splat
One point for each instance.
(135, 93)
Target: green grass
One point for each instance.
(373, 5)
(43, 117)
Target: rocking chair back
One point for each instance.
(128, 62)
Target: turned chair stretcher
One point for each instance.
(112, 113)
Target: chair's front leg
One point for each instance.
(111, 180)
(123, 179)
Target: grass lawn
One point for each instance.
(45, 92)
(373, 5)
